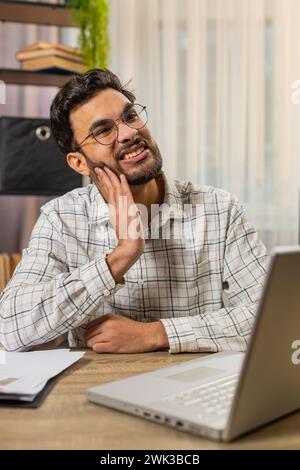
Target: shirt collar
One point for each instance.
(173, 200)
(99, 212)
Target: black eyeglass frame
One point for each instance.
(121, 118)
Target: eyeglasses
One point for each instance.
(106, 131)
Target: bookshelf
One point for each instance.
(40, 13)
(24, 77)
(37, 13)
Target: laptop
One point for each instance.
(224, 395)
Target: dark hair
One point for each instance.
(77, 91)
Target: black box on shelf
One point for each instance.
(30, 161)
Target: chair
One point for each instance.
(8, 264)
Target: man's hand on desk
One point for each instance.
(117, 334)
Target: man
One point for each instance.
(109, 274)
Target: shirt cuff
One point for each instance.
(180, 334)
(98, 279)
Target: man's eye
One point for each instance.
(131, 117)
(102, 131)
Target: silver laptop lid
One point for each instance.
(269, 385)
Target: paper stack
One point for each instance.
(23, 375)
(51, 57)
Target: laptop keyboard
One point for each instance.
(213, 398)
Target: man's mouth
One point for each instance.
(135, 156)
(132, 154)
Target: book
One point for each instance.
(44, 49)
(42, 45)
(49, 52)
(53, 62)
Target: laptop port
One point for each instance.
(179, 424)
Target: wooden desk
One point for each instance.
(66, 420)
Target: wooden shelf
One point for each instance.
(24, 77)
(38, 13)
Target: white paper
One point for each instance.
(26, 373)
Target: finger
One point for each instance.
(103, 347)
(104, 185)
(112, 175)
(114, 188)
(125, 186)
(102, 177)
(94, 340)
(126, 192)
(114, 180)
(93, 332)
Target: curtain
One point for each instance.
(217, 77)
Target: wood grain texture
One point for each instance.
(26, 77)
(66, 420)
(42, 13)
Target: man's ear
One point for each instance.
(78, 163)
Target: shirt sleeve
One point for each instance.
(245, 264)
(44, 299)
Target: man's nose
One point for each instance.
(125, 132)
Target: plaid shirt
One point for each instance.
(202, 284)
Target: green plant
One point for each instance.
(92, 17)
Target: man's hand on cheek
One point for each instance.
(116, 334)
(100, 182)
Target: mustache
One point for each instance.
(137, 141)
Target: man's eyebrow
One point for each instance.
(99, 122)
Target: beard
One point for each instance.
(142, 172)
(146, 169)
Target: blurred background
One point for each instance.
(221, 80)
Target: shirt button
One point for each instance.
(106, 292)
(140, 282)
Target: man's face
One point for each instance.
(110, 104)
